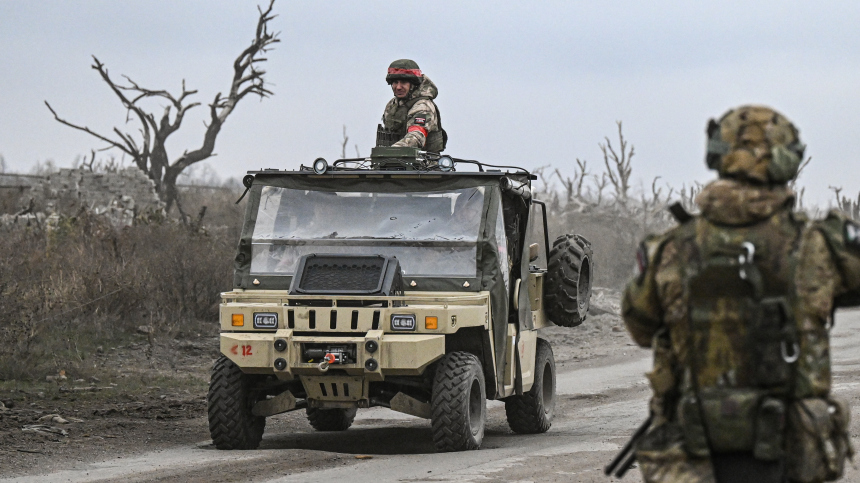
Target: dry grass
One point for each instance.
(65, 290)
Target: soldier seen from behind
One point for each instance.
(736, 303)
(411, 118)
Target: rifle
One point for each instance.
(625, 458)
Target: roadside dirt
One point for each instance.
(600, 400)
(151, 396)
(146, 396)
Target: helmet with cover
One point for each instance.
(754, 143)
(404, 69)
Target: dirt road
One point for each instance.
(600, 402)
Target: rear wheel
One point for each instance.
(568, 280)
(459, 403)
(331, 419)
(533, 411)
(232, 425)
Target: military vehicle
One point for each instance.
(407, 280)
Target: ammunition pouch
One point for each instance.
(818, 439)
(387, 137)
(723, 420)
(843, 237)
(776, 343)
(435, 142)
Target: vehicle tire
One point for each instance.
(533, 411)
(459, 403)
(568, 280)
(331, 419)
(231, 398)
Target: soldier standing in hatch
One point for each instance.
(411, 118)
(736, 303)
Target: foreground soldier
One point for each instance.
(736, 303)
(411, 118)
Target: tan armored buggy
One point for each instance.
(401, 280)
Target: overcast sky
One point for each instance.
(527, 83)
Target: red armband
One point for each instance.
(417, 128)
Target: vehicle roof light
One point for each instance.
(446, 163)
(320, 166)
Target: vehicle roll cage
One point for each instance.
(425, 159)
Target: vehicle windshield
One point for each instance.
(430, 233)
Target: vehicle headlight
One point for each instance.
(265, 320)
(403, 322)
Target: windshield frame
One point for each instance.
(296, 222)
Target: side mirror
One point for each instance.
(533, 252)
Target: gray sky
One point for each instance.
(528, 83)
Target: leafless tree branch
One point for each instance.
(618, 169)
(150, 152)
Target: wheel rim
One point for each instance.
(476, 409)
(583, 285)
(548, 391)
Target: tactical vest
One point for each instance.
(740, 334)
(395, 128)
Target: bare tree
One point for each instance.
(845, 204)
(618, 168)
(573, 185)
(148, 150)
(600, 183)
(2, 164)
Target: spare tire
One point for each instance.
(567, 291)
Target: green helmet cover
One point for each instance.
(405, 69)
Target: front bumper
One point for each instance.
(395, 355)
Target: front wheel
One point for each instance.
(232, 425)
(459, 403)
(533, 411)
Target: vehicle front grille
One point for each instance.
(347, 275)
(327, 273)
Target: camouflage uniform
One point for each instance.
(735, 303)
(413, 121)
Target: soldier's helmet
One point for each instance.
(405, 69)
(754, 143)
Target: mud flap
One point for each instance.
(518, 376)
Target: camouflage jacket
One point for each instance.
(810, 262)
(811, 266)
(416, 119)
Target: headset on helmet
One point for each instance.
(404, 69)
(754, 143)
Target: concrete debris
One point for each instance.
(121, 196)
(44, 429)
(57, 419)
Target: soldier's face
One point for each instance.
(401, 88)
